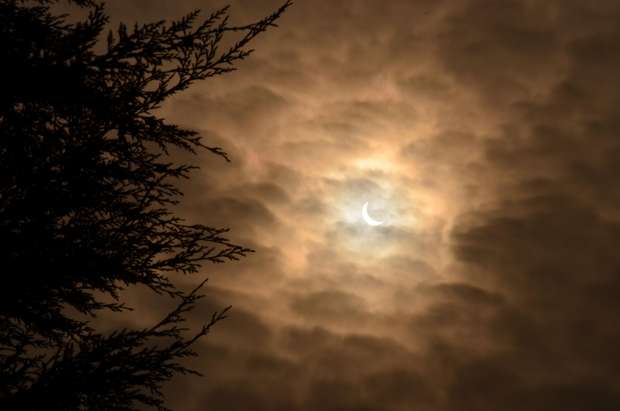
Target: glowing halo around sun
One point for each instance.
(367, 218)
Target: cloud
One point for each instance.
(487, 131)
(326, 306)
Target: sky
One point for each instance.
(484, 134)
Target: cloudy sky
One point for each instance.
(483, 133)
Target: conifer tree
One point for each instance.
(87, 188)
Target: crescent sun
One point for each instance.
(369, 220)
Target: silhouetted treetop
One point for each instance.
(86, 189)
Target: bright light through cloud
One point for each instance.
(369, 184)
(367, 218)
(373, 185)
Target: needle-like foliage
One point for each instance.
(87, 188)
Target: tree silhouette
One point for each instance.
(86, 191)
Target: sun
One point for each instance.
(364, 193)
(367, 218)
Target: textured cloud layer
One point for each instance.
(486, 134)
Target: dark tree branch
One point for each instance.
(86, 190)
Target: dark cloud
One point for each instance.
(328, 305)
(547, 242)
